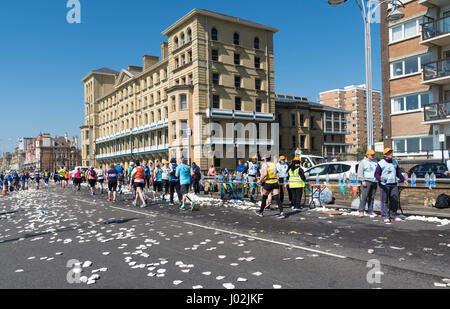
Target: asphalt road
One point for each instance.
(44, 233)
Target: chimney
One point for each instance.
(134, 68)
(164, 50)
(149, 61)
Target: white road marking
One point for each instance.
(247, 236)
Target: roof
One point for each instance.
(218, 16)
(105, 70)
(292, 99)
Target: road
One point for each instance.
(43, 234)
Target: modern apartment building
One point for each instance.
(416, 79)
(215, 76)
(353, 99)
(312, 128)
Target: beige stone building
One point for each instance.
(353, 98)
(416, 79)
(214, 69)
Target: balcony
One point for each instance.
(433, 3)
(437, 113)
(436, 32)
(436, 72)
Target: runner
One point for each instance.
(121, 177)
(37, 178)
(165, 179)
(62, 175)
(66, 178)
(147, 176)
(152, 171)
(283, 174)
(100, 179)
(131, 180)
(366, 174)
(174, 182)
(92, 179)
(252, 174)
(138, 177)
(77, 179)
(183, 172)
(269, 177)
(56, 177)
(23, 179)
(15, 177)
(46, 177)
(157, 181)
(386, 173)
(297, 182)
(112, 177)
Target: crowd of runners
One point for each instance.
(267, 180)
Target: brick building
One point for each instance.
(416, 79)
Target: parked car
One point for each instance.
(333, 169)
(312, 161)
(439, 169)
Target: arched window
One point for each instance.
(256, 43)
(189, 34)
(236, 39)
(214, 34)
(176, 43)
(183, 39)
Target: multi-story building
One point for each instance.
(353, 98)
(312, 128)
(416, 79)
(47, 153)
(215, 70)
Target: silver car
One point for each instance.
(333, 170)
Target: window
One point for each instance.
(237, 81)
(293, 121)
(237, 59)
(319, 170)
(189, 34)
(257, 62)
(183, 101)
(236, 39)
(302, 141)
(190, 56)
(183, 129)
(256, 43)
(258, 106)
(183, 39)
(302, 120)
(176, 43)
(177, 63)
(215, 55)
(414, 145)
(409, 66)
(238, 104)
(215, 78)
(257, 84)
(183, 59)
(413, 102)
(174, 130)
(214, 34)
(405, 31)
(294, 141)
(216, 101)
(312, 143)
(191, 79)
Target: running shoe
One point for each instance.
(386, 220)
(282, 216)
(134, 204)
(398, 219)
(170, 204)
(361, 215)
(373, 215)
(192, 206)
(182, 207)
(260, 214)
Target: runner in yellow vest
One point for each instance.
(62, 175)
(270, 180)
(297, 181)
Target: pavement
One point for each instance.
(45, 233)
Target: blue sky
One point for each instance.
(43, 58)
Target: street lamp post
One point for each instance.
(367, 11)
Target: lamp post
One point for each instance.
(367, 11)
